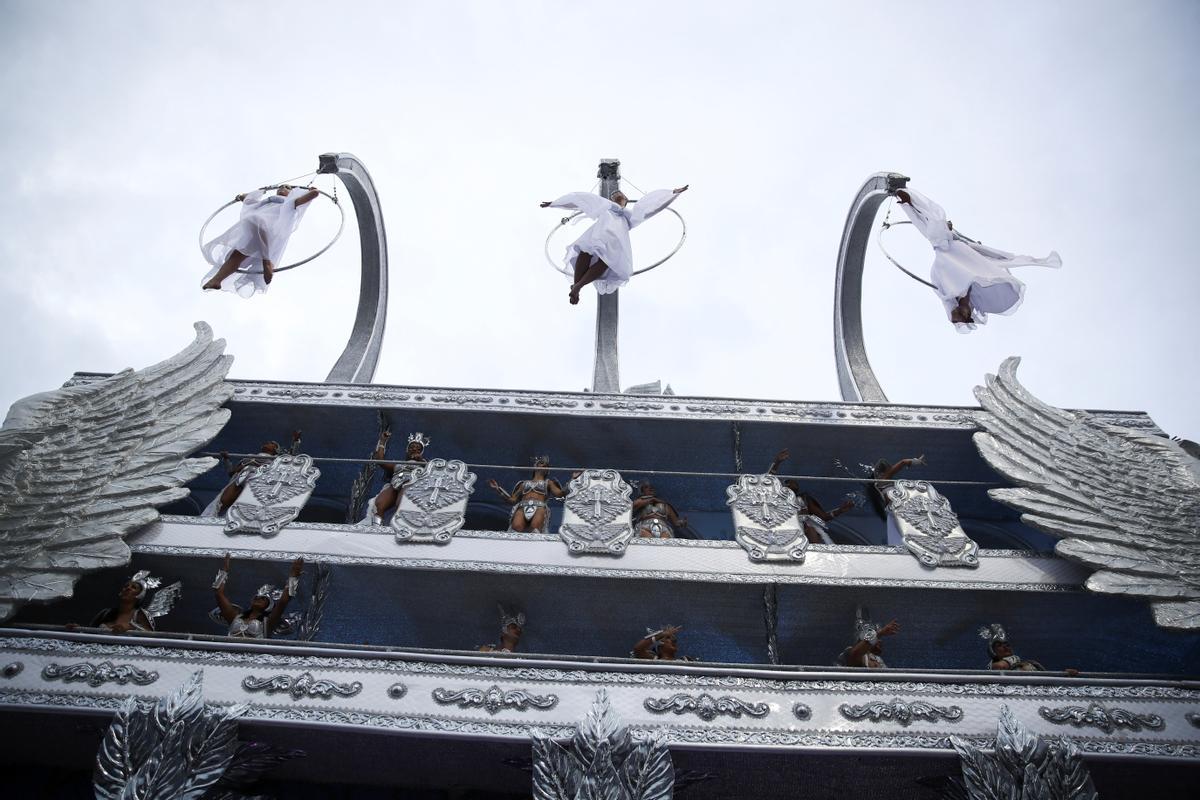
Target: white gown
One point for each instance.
(961, 265)
(608, 237)
(266, 224)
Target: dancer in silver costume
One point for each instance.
(528, 498)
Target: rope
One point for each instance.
(886, 226)
(529, 468)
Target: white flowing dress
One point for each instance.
(608, 237)
(961, 265)
(262, 232)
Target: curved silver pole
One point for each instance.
(358, 361)
(855, 376)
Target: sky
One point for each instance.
(1067, 125)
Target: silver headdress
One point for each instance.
(541, 460)
(993, 634)
(511, 618)
(420, 439)
(144, 578)
(271, 593)
(864, 629)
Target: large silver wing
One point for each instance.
(83, 466)
(1126, 504)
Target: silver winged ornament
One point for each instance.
(164, 600)
(84, 466)
(433, 505)
(604, 761)
(1125, 504)
(928, 525)
(766, 519)
(274, 495)
(597, 513)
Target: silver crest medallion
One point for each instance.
(766, 519)
(597, 513)
(433, 505)
(273, 496)
(929, 526)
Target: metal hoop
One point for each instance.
(887, 225)
(563, 222)
(336, 236)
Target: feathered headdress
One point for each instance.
(993, 634)
(147, 581)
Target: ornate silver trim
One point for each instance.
(397, 690)
(12, 670)
(1105, 719)
(601, 405)
(802, 711)
(493, 699)
(274, 495)
(98, 674)
(705, 706)
(300, 686)
(597, 515)
(902, 711)
(1193, 718)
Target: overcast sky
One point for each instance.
(1038, 126)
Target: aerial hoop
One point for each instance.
(565, 220)
(886, 226)
(293, 265)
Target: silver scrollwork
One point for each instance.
(705, 706)
(99, 674)
(928, 525)
(300, 686)
(493, 699)
(1097, 716)
(902, 711)
(597, 513)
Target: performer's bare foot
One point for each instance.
(574, 296)
(268, 271)
(211, 285)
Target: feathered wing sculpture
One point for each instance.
(83, 466)
(1124, 503)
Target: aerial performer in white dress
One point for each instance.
(603, 255)
(972, 280)
(257, 240)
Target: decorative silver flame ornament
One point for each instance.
(179, 747)
(274, 496)
(433, 506)
(83, 467)
(1022, 766)
(1126, 504)
(929, 526)
(766, 519)
(597, 513)
(602, 762)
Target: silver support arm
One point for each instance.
(358, 361)
(606, 370)
(857, 379)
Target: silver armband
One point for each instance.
(219, 581)
(293, 585)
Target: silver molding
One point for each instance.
(1105, 719)
(98, 674)
(397, 690)
(902, 711)
(300, 686)
(493, 699)
(705, 706)
(802, 711)
(12, 670)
